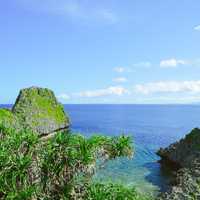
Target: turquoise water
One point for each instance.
(150, 126)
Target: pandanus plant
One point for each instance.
(58, 168)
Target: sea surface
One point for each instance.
(150, 126)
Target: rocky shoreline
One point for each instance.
(37, 109)
(42, 159)
(185, 156)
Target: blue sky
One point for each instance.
(133, 51)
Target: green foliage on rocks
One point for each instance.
(8, 118)
(193, 139)
(39, 110)
(58, 168)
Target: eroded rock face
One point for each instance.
(38, 109)
(184, 152)
(186, 155)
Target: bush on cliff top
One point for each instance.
(59, 168)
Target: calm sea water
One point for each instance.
(150, 126)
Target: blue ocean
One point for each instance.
(150, 126)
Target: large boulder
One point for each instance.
(38, 109)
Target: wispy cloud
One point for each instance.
(113, 90)
(133, 67)
(197, 28)
(82, 10)
(172, 62)
(63, 96)
(168, 87)
(119, 69)
(120, 80)
(145, 64)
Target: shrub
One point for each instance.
(58, 168)
(16, 153)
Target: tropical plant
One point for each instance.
(60, 167)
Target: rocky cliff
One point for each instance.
(37, 109)
(185, 155)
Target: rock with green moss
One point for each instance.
(38, 109)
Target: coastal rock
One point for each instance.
(187, 186)
(184, 152)
(185, 155)
(38, 109)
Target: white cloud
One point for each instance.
(63, 96)
(120, 80)
(172, 63)
(168, 87)
(119, 69)
(144, 64)
(197, 28)
(113, 90)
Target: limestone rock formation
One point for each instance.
(185, 154)
(38, 109)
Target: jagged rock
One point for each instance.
(38, 109)
(185, 154)
(187, 186)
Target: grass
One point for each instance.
(110, 191)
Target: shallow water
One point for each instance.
(151, 126)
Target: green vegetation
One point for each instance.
(193, 135)
(17, 151)
(110, 191)
(58, 168)
(193, 139)
(8, 118)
